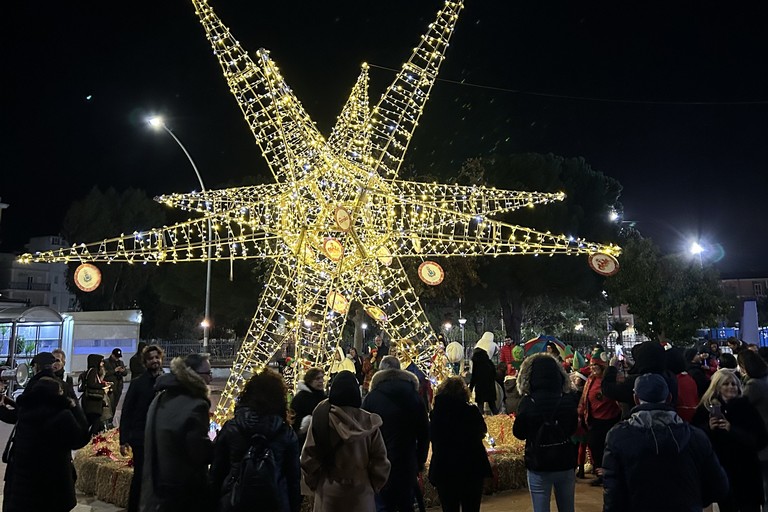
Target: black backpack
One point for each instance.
(255, 483)
(550, 446)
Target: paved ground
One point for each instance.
(588, 499)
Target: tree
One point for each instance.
(590, 196)
(105, 215)
(669, 297)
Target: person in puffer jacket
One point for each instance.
(311, 392)
(261, 409)
(656, 461)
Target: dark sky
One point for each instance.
(670, 98)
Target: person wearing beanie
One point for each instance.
(344, 460)
(656, 461)
(547, 397)
(597, 412)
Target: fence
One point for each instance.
(222, 352)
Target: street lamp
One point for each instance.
(697, 249)
(462, 321)
(364, 326)
(157, 123)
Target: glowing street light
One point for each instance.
(696, 249)
(158, 123)
(462, 321)
(364, 326)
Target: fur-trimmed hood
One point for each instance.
(183, 380)
(542, 372)
(393, 374)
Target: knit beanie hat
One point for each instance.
(651, 387)
(345, 390)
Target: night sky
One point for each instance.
(670, 98)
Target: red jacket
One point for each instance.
(687, 396)
(594, 405)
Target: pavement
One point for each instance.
(588, 498)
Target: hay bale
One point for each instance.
(113, 482)
(87, 468)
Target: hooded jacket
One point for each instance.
(655, 461)
(234, 440)
(94, 398)
(40, 476)
(360, 467)
(483, 380)
(546, 396)
(394, 396)
(177, 448)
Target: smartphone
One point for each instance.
(716, 412)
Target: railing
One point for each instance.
(222, 352)
(24, 285)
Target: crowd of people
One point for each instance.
(664, 429)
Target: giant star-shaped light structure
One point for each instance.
(337, 220)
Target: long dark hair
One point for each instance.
(266, 393)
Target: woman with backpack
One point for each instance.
(344, 460)
(259, 430)
(546, 420)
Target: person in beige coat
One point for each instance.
(344, 460)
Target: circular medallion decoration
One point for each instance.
(603, 264)
(376, 313)
(338, 302)
(87, 277)
(384, 256)
(333, 249)
(343, 218)
(431, 273)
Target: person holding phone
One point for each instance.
(737, 433)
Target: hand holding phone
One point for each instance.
(716, 412)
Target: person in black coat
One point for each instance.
(649, 357)
(261, 409)
(136, 362)
(95, 398)
(459, 461)
(737, 433)
(547, 397)
(133, 420)
(40, 475)
(311, 392)
(483, 380)
(394, 395)
(656, 461)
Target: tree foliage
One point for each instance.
(670, 297)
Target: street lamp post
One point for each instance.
(157, 122)
(696, 250)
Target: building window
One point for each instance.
(55, 279)
(758, 288)
(54, 300)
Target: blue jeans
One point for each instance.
(540, 484)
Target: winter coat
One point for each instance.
(737, 449)
(177, 448)
(40, 475)
(394, 396)
(483, 380)
(549, 398)
(656, 461)
(457, 430)
(359, 466)
(94, 399)
(111, 374)
(302, 405)
(649, 357)
(233, 442)
(756, 390)
(687, 396)
(512, 398)
(133, 419)
(345, 364)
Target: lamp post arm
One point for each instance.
(189, 157)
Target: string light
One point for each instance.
(337, 220)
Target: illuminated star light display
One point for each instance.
(337, 220)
